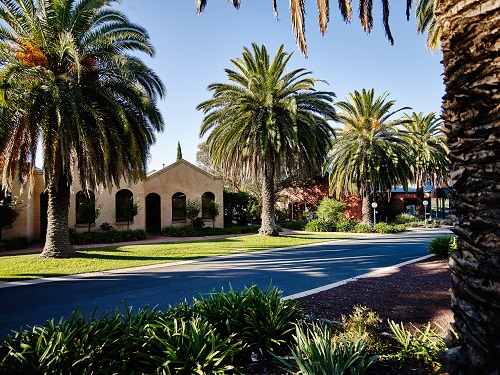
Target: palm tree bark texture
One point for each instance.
(471, 110)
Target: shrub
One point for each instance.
(320, 225)
(172, 231)
(106, 226)
(363, 322)
(331, 209)
(14, 243)
(421, 345)
(109, 236)
(346, 225)
(315, 351)
(443, 246)
(389, 228)
(293, 224)
(405, 218)
(363, 228)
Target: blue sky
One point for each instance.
(193, 50)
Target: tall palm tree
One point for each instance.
(70, 85)
(428, 152)
(471, 59)
(370, 153)
(267, 123)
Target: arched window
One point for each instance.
(85, 207)
(206, 199)
(178, 206)
(120, 197)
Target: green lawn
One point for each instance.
(30, 266)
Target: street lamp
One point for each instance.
(425, 203)
(374, 205)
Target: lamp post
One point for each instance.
(425, 203)
(374, 205)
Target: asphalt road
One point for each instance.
(292, 270)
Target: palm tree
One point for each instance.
(267, 123)
(427, 22)
(69, 84)
(428, 152)
(370, 153)
(471, 59)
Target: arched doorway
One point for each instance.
(153, 212)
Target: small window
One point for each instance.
(206, 199)
(85, 202)
(178, 206)
(120, 197)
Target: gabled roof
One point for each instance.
(182, 162)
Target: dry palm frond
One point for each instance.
(365, 14)
(297, 13)
(346, 10)
(323, 15)
(275, 9)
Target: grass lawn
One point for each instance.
(30, 266)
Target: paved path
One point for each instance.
(293, 270)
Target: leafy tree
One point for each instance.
(213, 210)
(427, 151)
(369, 154)
(89, 211)
(193, 208)
(131, 208)
(238, 207)
(331, 209)
(71, 85)
(471, 59)
(179, 151)
(267, 123)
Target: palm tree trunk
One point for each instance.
(471, 58)
(420, 212)
(57, 243)
(366, 206)
(268, 226)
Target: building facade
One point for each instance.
(162, 197)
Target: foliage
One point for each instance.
(316, 351)
(363, 228)
(260, 319)
(238, 208)
(106, 226)
(193, 208)
(389, 228)
(131, 208)
(346, 225)
(213, 210)
(268, 122)
(320, 225)
(443, 246)
(14, 243)
(405, 218)
(331, 209)
(294, 224)
(363, 322)
(175, 231)
(89, 211)
(10, 209)
(422, 345)
(108, 236)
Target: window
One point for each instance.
(178, 206)
(120, 197)
(85, 206)
(5, 211)
(206, 199)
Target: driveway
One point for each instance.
(293, 270)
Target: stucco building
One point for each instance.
(162, 196)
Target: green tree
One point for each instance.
(331, 209)
(179, 151)
(267, 123)
(427, 151)
(471, 59)
(131, 208)
(369, 154)
(213, 210)
(70, 85)
(89, 211)
(193, 208)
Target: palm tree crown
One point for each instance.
(267, 123)
(369, 154)
(69, 84)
